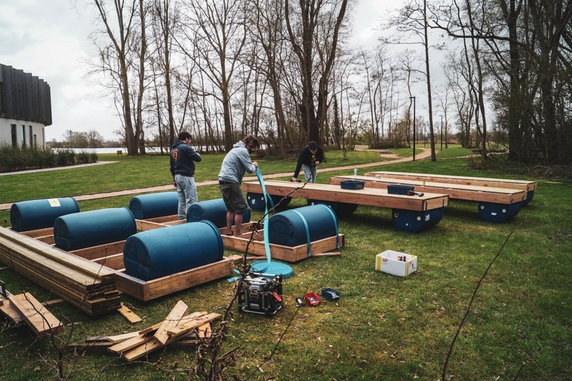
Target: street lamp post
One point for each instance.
(441, 133)
(414, 130)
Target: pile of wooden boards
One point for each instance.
(82, 283)
(25, 308)
(176, 328)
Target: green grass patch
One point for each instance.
(384, 327)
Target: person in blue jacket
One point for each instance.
(183, 158)
(235, 163)
(310, 157)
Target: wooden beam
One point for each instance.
(366, 196)
(128, 314)
(37, 316)
(455, 191)
(172, 320)
(525, 185)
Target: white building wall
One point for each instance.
(37, 129)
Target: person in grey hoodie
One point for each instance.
(235, 163)
(183, 158)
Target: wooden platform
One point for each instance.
(108, 259)
(455, 191)
(256, 246)
(524, 185)
(368, 196)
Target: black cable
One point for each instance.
(469, 307)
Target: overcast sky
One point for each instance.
(51, 39)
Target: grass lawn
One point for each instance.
(384, 327)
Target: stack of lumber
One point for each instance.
(25, 308)
(82, 283)
(176, 328)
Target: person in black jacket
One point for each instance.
(310, 157)
(183, 158)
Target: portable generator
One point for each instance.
(261, 294)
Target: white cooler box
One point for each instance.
(396, 263)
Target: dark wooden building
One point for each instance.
(25, 108)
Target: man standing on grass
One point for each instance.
(310, 157)
(235, 163)
(183, 158)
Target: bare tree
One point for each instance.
(305, 24)
(116, 61)
(218, 33)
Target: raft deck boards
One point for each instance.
(367, 196)
(455, 191)
(524, 185)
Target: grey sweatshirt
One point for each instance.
(235, 163)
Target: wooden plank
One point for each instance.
(184, 328)
(113, 339)
(100, 251)
(55, 254)
(114, 261)
(53, 302)
(154, 344)
(366, 196)
(455, 191)
(152, 289)
(144, 225)
(205, 331)
(38, 232)
(128, 314)
(285, 253)
(12, 252)
(8, 309)
(146, 334)
(172, 320)
(36, 315)
(526, 185)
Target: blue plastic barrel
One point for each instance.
(213, 211)
(256, 201)
(159, 252)
(38, 214)
(154, 205)
(96, 227)
(298, 226)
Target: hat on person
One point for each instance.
(312, 145)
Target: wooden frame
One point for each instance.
(455, 191)
(256, 246)
(371, 196)
(524, 185)
(110, 256)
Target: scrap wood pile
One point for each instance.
(176, 328)
(82, 283)
(25, 308)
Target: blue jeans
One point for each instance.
(187, 191)
(309, 173)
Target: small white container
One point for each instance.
(396, 263)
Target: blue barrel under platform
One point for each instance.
(213, 211)
(302, 225)
(342, 209)
(256, 201)
(38, 214)
(498, 213)
(413, 221)
(529, 196)
(154, 205)
(95, 227)
(160, 252)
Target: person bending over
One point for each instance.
(236, 162)
(310, 157)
